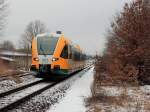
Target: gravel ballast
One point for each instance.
(42, 102)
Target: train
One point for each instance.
(54, 55)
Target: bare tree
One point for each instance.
(3, 14)
(7, 45)
(31, 31)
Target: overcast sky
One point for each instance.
(82, 21)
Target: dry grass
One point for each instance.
(109, 99)
(16, 78)
(106, 98)
(102, 97)
(3, 68)
(9, 73)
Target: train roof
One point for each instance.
(48, 34)
(59, 34)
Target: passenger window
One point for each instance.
(64, 53)
(76, 55)
(70, 52)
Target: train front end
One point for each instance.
(43, 48)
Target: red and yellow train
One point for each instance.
(55, 55)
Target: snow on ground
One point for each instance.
(49, 97)
(9, 84)
(121, 99)
(74, 99)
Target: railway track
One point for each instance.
(3, 94)
(12, 98)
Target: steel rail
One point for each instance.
(32, 94)
(3, 94)
(24, 98)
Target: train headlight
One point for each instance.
(36, 59)
(54, 59)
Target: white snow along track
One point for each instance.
(74, 99)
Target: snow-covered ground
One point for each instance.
(121, 99)
(10, 83)
(74, 98)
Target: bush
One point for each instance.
(127, 57)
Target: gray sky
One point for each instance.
(82, 21)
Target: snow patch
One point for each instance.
(74, 99)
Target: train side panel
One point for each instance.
(61, 66)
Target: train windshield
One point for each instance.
(46, 45)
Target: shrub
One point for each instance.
(127, 56)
